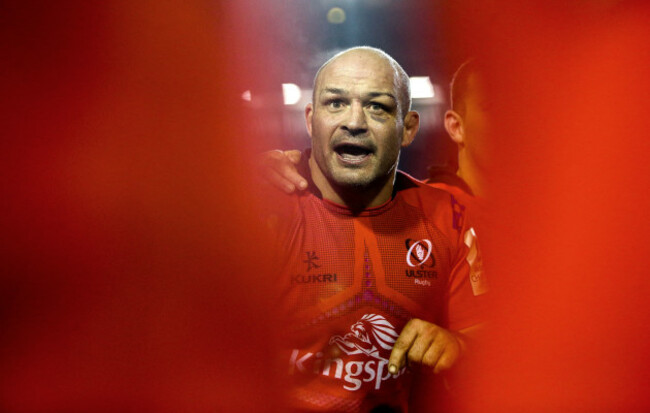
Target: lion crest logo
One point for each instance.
(372, 335)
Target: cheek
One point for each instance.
(390, 148)
(478, 139)
(479, 118)
(483, 124)
(473, 129)
(323, 129)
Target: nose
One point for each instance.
(355, 123)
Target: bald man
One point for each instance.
(467, 123)
(375, 267)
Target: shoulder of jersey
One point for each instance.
(460, 195)
(416, 190)
(440, 206)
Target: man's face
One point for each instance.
(476, 120)
(356, 122)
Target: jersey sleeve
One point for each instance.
(466, 285)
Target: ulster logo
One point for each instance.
(419, 253)
(372, 335)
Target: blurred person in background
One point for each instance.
(467, 123)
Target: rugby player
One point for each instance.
(377, 270)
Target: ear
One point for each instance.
(455, 127)
(309, 113)
(411, 126)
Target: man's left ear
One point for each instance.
(411, 126)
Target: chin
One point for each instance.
(352, 182)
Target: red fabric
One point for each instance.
(342, 270)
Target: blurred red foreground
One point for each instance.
(133, 279)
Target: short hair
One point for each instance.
(403, 83)
(460, 84)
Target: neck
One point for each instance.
(471, 174)
(355, 198)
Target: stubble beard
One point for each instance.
(355, 181)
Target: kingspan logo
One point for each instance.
(372, 337)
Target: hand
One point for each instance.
(425, 343)
(279, 169)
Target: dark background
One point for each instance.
(413, 32)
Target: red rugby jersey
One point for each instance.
(350, 282)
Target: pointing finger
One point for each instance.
(402, 345)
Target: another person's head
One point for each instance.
(468, 120)
(359, 120)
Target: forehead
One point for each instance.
(359, 72)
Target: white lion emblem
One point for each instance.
(371, 335)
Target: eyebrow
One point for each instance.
(333, 91)
(379, 94)
(337, 91)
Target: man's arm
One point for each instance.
(422, 342)
(279, 169)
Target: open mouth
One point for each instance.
(351, 153)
